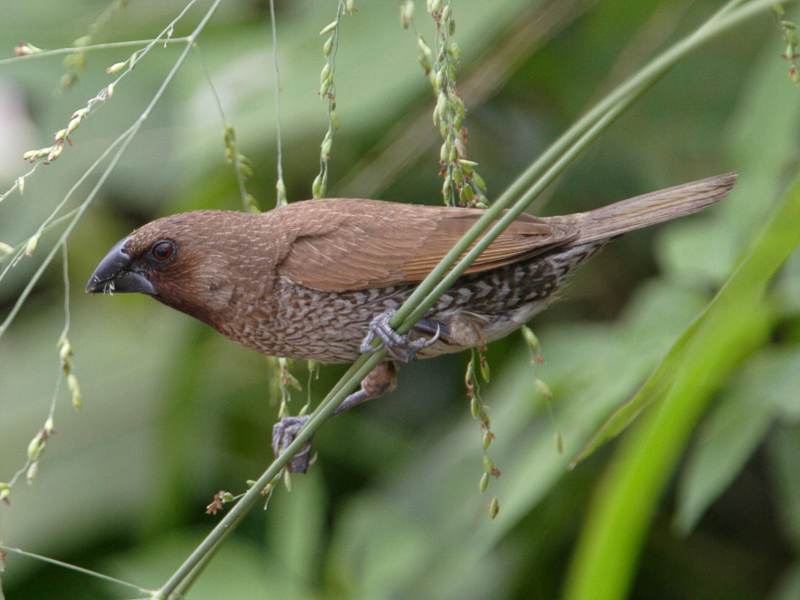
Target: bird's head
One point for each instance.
(187, 261)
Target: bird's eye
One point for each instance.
(162, 252)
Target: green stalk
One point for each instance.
(357, 372)
(71, 567)
(93, 47)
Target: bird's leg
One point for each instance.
(400, 347)
(377, 382)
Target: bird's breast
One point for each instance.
(299, 322)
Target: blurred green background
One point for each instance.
(173, 412)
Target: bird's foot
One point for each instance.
(283, 434)
(399, 347)
(378, 381)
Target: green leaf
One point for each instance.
(768, 386)
(727, 439)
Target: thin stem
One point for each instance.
(65, 278)
(64, 331)
(54, 399)
(356, 373)
(281, 197)
(235, 153)
(20, 472)
(18, 182)
(53, 561)
(92, 47)
(190, 40)
(320, 185)
(12, 258)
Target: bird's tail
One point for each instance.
(649, 209)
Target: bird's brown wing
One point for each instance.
(346, 244)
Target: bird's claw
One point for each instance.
(400, 347)
(283, 434)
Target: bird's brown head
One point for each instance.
(189, 261)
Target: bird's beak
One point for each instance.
(115, 274)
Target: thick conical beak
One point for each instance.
(115, 274)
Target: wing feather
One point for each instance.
(349, 244)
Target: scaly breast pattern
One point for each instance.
(329, 326)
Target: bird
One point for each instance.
(320, 279)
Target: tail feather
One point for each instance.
(649, 209)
